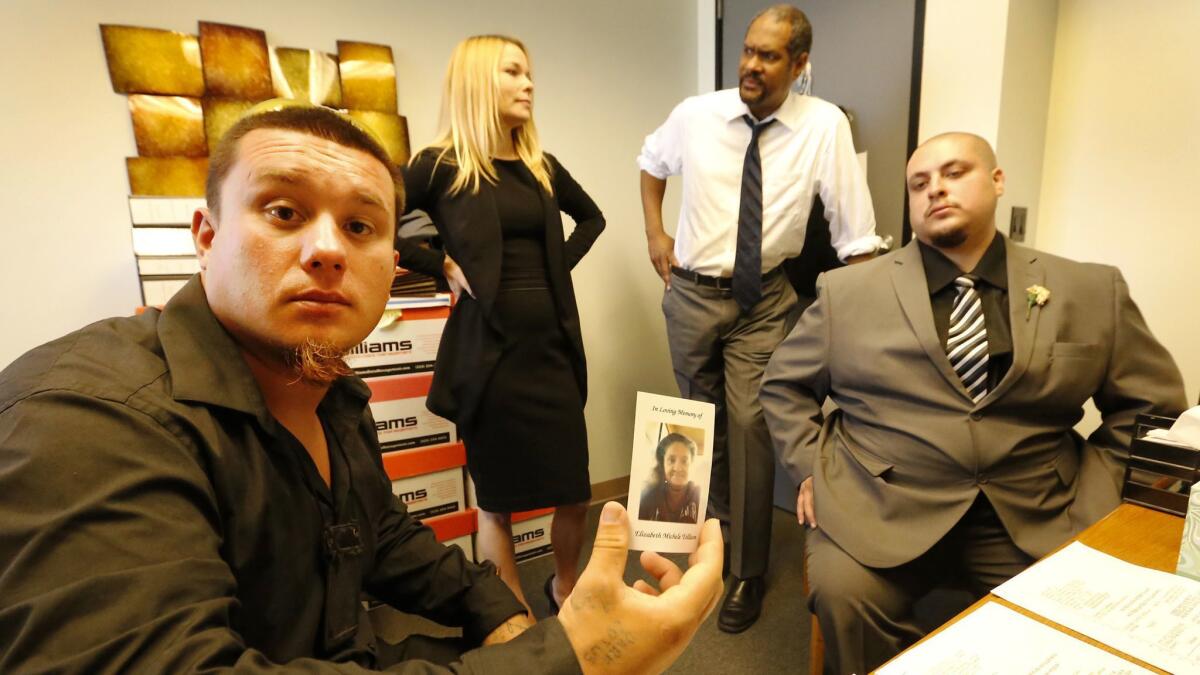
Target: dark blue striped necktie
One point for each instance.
(747, 263)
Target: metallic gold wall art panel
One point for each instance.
(167, 176)
(152, 61)
(306, 75)
(368, 76)
(219, 115)
(168, 126)
(236, 63)
(390, 130)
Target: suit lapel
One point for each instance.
(1023, 272)
(912, 290)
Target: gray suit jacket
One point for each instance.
(907, 451)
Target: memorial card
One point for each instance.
(670, 472)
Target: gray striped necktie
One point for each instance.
(966, 344)
(747, 261)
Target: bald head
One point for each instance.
(953, 186)
(976, 145)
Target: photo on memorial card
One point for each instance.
(670, 472)
(669, 494)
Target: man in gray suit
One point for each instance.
(959, 366)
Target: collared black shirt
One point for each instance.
(992, 271)
(154, 517)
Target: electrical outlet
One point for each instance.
(1016, 226)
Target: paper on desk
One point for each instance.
(995, 639)
(1152, 615)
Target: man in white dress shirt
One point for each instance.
(752, 161)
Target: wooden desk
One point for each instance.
(1132, 533)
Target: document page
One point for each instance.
(995, 639)
(1152, 615)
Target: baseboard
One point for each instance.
(610, 489)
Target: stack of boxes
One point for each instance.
(421, 451)
(162, 244)
(530, 529)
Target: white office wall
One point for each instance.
(986, 70)
(962, 67)
(1122, 158)
(607, 74)
(1024, 99)
(706, 46)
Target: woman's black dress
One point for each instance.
(527, 445)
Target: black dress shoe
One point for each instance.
(742, 605)
(549, 590)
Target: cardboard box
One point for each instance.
(432, 494)
(401, 346)
(408, 463)
(531, 529)
(401, 419)
(531, 534)
(456, 529)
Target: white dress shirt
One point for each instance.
(807, 151)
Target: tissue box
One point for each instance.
(1154, 468)
(1189, 546)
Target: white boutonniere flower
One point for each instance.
(1035, 295)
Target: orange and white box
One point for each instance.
(401, 419)
(531, 529)
(456, 529)
(531, 534)
(429, 480)
(402, 346)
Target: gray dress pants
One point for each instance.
(719, 355)
(866, 613)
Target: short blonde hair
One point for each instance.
(470, 117)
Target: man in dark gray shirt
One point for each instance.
(201, 487)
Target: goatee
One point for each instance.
(318, 363)
(949, 238)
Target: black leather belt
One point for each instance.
(719, 283)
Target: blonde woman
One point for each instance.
(510, 370)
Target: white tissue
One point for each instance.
(1185, 431)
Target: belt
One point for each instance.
(720, 283)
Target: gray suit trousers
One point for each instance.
(719, 356)
(866, 613)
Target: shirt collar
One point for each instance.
(940, 272)
(207, 367)
(788, 114)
